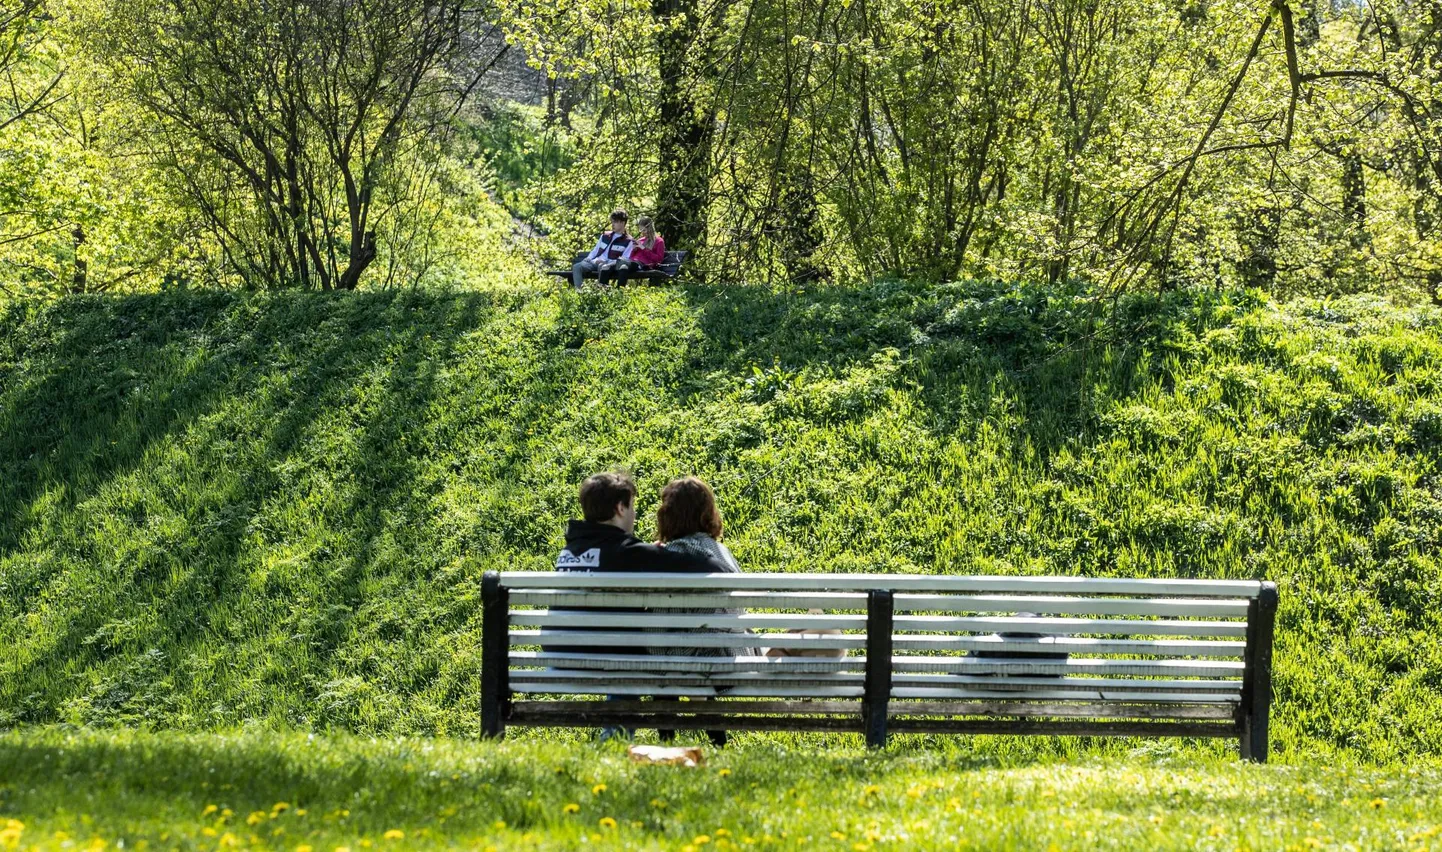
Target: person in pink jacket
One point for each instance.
(647, 252)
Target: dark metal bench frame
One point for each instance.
(666, 270)
(877, 717)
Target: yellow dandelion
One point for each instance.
(394, 834)
(499, 825)
(342, 849)
(658, 804)
(209, 809)
(300, 812)
(227, 813)
(1216, 831)
(722, 832)
(701, 839)
(571, 808)
(871, 790)
(229, 840)
(1377, 803)
(305, 847)
(256, 818)
(1156, 818)
(861, 847)
(279, 808)
(209, 832)
(598, 789)
(608, 823)
(723, 772)
(838, 835)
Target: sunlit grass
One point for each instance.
(67, 790)
(275, 509)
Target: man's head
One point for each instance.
(619, 220)
(609, 498)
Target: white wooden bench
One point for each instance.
(925, 654)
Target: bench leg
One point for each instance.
(1256, 705)
(495, 656)
(879, 610)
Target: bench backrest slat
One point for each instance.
(844, 621)
(900, 583)
(900, 642)
(1036, 604)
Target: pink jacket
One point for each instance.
(649, 256)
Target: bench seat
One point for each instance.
(666, 270)
(883, 654)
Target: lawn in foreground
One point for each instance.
(135, 790)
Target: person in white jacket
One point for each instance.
(613, 248)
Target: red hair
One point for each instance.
(688, 506)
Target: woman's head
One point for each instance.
(645, 228)
(688, 506)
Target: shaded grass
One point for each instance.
(284, 791)
(217, 509)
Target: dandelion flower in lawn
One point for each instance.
(255, 818)
(499, 824)
(209, 809)
(871, 789)
(722, 832)
(305, 847)
(724, 772)
(598, 789)
(701, 839)
(278, 808)
(10, 834)
(607, 822)
(342, 849)
(837, 835)
(394, 834)
(571, 808)
(1377, 803)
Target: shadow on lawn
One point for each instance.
(1045, 359)
(243, 378)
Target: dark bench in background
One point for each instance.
(666, 270)
(926, 654)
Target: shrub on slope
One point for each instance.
(219, 508)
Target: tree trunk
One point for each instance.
(80, 279)
(683, 192)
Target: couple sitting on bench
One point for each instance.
(617, 255)
(688, 526)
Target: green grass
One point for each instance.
(283, 791)
(220, 509)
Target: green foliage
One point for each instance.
(217, 509)
(268, 791)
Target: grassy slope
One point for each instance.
(206, 791)
(217, 508)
